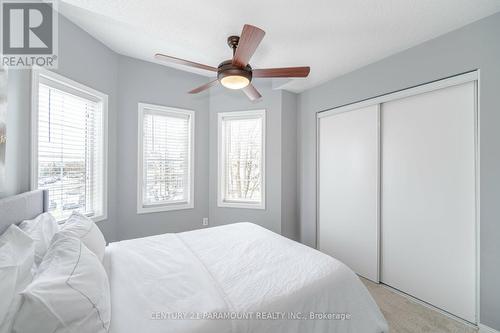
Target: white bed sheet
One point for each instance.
(182, 282)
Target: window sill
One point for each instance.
(241, 205)
(99, 218)
(94, 219)
(163, 208)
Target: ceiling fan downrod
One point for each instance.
(232, 41)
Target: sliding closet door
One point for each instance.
(428, 246)
(348, 189)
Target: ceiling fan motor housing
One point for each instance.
(226, 68)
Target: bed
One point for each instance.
(234, 278)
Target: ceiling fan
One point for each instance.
(237, 73)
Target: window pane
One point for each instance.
(166, 157)
(243, 159)
(70, 155)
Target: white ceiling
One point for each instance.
(332, 36)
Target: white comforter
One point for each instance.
(257, 280)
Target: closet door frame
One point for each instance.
(472, 76)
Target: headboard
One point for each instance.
(24, 206)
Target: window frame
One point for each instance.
(75, 88)
(189, 204)
(221, 201)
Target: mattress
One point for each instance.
(234, 278)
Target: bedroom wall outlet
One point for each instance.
(205, 221)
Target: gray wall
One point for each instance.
(129, 81)
(289, 206)
(140, 81)
(91, 63)
(280, 214)
(222, 100)
(476, 46)
(82, 59)
(17, 153)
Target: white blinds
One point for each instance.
(242, 146)
(70, 151)
(166, 157)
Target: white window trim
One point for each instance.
(40, 74)
(221, 202)
(141, 209)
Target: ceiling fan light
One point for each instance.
(235, 81)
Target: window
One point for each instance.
(69, 140)
(241, 159)
(165, 157)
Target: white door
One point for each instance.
(428, 243)
(348, 189)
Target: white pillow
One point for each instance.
(78, 225)
(17, 252)
(70, 292)
(41, 229)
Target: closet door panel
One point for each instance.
(428, 246)
(348, 189)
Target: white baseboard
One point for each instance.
(486, 329)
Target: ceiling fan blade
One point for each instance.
(204, 87)
(249, 40)
(251, 92)
(282, 72)
(179, 61)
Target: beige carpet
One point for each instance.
(406, 316)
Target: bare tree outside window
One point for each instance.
(242, 162)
